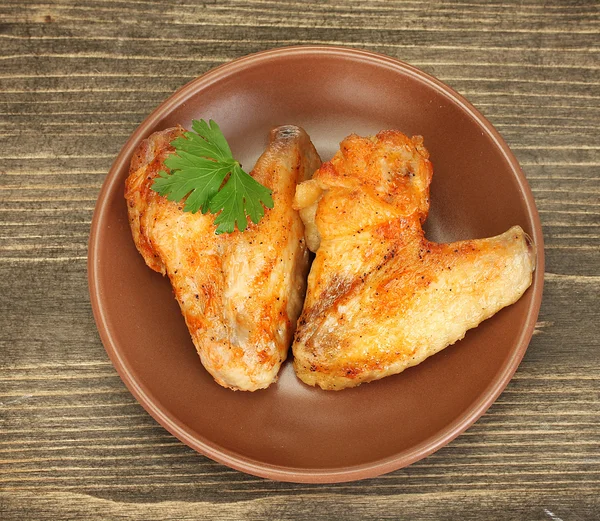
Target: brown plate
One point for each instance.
(292, 432)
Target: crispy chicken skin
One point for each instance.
(240, 293)
(381, 297)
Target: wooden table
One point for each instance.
(78, 77)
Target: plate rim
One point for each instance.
(286, 473)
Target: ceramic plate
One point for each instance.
(292, 432)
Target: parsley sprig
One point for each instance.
(203, 169)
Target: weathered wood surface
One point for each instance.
(77, 77)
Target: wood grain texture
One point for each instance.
(77, 77)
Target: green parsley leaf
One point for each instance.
(204, 170)
(242, 195)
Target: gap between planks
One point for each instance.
(552, 486)
(440, 7)
(477, 47)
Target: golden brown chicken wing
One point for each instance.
(240, 293)
(380, 296)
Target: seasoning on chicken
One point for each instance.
(240, 293)
(381, 297)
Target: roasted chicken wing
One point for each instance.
(380, 296)
(240, 293)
